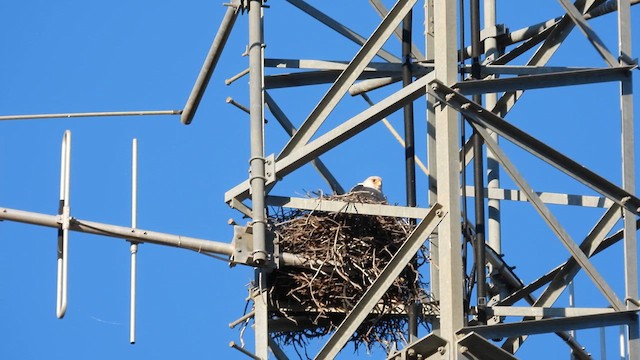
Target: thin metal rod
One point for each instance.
(242, 319)
(493, 236)
(382, 11)
(288, 127)
(89, 114)
(210, 62)
(244, 351)
(479, 247)
(231, 101)
(397, 136)
(409, 152)
(63, 227)
(134, 245)
(478, 173)
(339, 28)
(572, 304)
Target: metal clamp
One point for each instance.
(243, 249)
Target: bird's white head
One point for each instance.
(373, 182)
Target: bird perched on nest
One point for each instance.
(371, 187)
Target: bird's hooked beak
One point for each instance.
(375, 182)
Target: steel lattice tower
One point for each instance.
(467, 93)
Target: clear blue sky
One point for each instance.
(76, 56)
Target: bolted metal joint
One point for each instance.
(243, 249)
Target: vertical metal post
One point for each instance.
(493, 169)
(572, 304)
(434, 272)
(256, 106)
(603, 344)
(134, 245)
(478, 167)
(623, 342)
(448, 180)
(628, 175)
(409, 151)
(257, 175)
(63, 231)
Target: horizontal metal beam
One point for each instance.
(122, 232)
(493, 69)
(546, 197)
(544, 326)
(546, 80)
(485, 118)
(346, 207)
(544, 312)
(312, 64)
(306, 78)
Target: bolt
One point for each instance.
(464, 349)
(434, 86)
(439, 213)
(465, 106)
(442, 350)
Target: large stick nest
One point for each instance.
(347, 252)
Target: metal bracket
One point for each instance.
(243, 251)
(421, 349)
(480, 348)
(270, 169)
(493, 32)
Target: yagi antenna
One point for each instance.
(63, 229)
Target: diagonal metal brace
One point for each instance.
(371, 297)
(485, 118)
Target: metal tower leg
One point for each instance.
(257, 178)
(448, 181)
(628, 176)
(434, 263)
